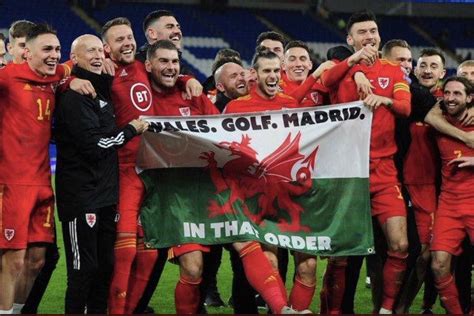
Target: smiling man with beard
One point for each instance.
(388, 97)
(162, 25)
(454, 218)
(230, 82)
(163, 65)
(266, 96)
(131, 96)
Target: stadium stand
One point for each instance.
(206, 31)
(57, 13)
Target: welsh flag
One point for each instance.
(297, 179)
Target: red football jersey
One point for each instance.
(332, 77)
(132, 97)
(389, 81)
(173, 103)
(27, 103)
(308, 93)
(253, 102)
(457, 183)
(421, 164)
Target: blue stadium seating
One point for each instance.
(237, 29)
(55, 12)
(205, 31)
(457, 32)
(302, 26)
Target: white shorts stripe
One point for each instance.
(76, 262)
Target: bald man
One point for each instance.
(87, 179)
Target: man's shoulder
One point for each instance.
(241, 99)
(71, 98)
(390, 67)
(286, 99)
(12, 70)
(285, 96)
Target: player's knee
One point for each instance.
(14, 266)
(35, 264)
(306, 270)
(440, 266)
(192, 272)
(400, 246)
(191, 268)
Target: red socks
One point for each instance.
(125, 250)
(186, 296)
(393, 272)
(448, 294)
(144, 264)
(334, 285)
(282, 286)
(301, 294)
(258, 271)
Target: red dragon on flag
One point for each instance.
(277, 178)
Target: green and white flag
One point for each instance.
(295, 178)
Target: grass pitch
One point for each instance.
(163, 299)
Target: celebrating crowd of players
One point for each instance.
(421, 153)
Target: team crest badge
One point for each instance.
(185, 111)
(91, 218)
(9, 234)
(383, 82)
(315, 97)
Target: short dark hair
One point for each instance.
(360, 16)
(224, 60)
(296, 43)
(340, 52)
(227, 53)
(161, 44)
(387, 48)
(262, 54)
(114, 22)
(468, 87)
(433, 52)
(271, 35)
(19, 28)
(153, 16)
(39, 29)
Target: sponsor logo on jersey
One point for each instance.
(140, 95)
(117, 217)
(9, 233)
(123, 73)
(27, 87)
(102, 103)
(186, 111)
(384, 82)
(91, 219)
